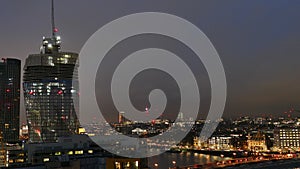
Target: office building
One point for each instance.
(287, 138)
(10, 70)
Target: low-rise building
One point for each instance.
(214, 142)
(257, 142)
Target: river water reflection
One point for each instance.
(166, 160)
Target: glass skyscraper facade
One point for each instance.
(50, 85)
(10, 70)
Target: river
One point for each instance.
(165, 160)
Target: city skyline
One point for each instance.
(154, 78)
(258, 46)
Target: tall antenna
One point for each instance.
(54, 30)
(52, 44)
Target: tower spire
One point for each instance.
(52, 44)
(54, 30)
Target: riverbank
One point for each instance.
(236, 162)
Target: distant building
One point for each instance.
(259, 120)
(257, 142)
(10, 70)
(287, 138)
(220, 142)
(121, 118)
(180, 117)
(214, 142)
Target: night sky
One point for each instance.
(257, 41)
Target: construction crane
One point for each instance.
(291, 110)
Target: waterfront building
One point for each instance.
(220, 142)
(287, 138)
(10, 70)
(257, 142)
(214, 142)
(199, 143)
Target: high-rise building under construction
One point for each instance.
(50, 85)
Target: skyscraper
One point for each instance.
(10, 70)
(50, 86)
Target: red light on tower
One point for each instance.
(7, 90)
(31, 92)
(55, 30)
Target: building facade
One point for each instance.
(214, 142)
(257, 142)
(50, 85)
(287, 138)
(10, 70)
(220, 142)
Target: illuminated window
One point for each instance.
(117, 165)
(20, 160)
(46, 159)
(79, 152)
(128, 164)
(58, 153)
(136, 163)
(67, 56)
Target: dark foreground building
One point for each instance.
(10, 70)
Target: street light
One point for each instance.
(156, 165)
